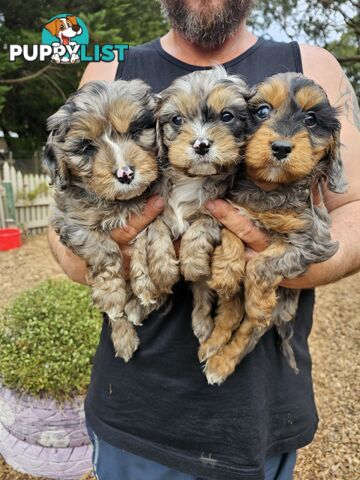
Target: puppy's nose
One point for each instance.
(125, 175)
(201, 145)
(281, 149)
(76, 28)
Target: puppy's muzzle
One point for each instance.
(281, 149)
(125, 175)
(201, 146)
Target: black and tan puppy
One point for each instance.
(293, 144)
(101, 158)
(201, 130)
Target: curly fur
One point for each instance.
(101, 130)
(191, 111)
(277, 197)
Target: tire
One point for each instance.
(53, 463)
(42, 421)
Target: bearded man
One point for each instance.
(156, 418)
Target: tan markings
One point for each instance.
(178, 149)
(263, 167)
(260, 300)
(310, 96)
(102, 179)
(185, 104)
(281, 221)
(274, 92)
(222, 98)
(122, 113)
(228, 317)
(225, 146)
(227, 265)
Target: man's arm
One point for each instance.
(344, 209)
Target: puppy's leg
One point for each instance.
(221, 365)
(197, 245)
(108, 286)
(162, 261)
(263, 275)
(141, 282)
(202, 321)
(284, 313)
(229, 314)
(227, 265)
(124, 338)
(137, 313)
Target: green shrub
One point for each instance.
(48, 336)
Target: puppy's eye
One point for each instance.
(62, 27)
(310, 119)
(226, 117)
(84, 148)
(263, 111)
(177, 120)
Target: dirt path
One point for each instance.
(334, 345)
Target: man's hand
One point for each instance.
(256, 241)
(75, 267)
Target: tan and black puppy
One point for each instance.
(201, 131)
(293, 144)
(101, 158)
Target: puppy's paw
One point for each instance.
(135, 311)
(227, 266)
(195, 269)
(166, 275)
(124, 337)
(213, 345)
(225, 286)
(218, 369)
(202, 329)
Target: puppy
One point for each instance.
(293, 144)
(201, 129)
(101, 158)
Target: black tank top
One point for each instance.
(159, 405)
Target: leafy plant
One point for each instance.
(48, 335)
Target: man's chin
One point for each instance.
(208, 25)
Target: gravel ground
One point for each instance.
(334, 344)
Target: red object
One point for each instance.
(10, 238)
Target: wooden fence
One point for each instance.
(24, 200)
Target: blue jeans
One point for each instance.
(111, 463)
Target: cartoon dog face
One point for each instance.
(64, 28)
(293, 132)
(103, 139)
(201, 122)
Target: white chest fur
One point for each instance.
(185, 200)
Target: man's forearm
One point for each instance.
(346, 230)
(73, 266)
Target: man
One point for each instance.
(155, 417)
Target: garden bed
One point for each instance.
(334, 346)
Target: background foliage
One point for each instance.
(30, 92)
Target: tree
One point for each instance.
(331, 24)
(31, 91)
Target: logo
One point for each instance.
(65, 39)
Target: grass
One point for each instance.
(48, 336)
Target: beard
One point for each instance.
(210, 25)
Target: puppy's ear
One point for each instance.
(52, 27)
(335, 168)
(55, 168)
